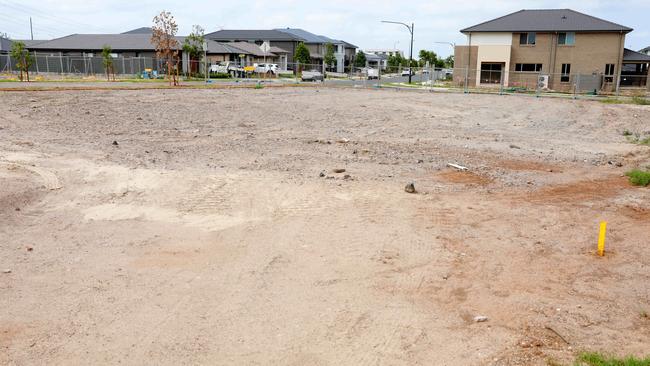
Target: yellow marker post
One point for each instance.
(601, 238)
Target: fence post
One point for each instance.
(47, 65)
(501, 82)
(576, 87)
(36, 61)
(379, 74)
(61, 61)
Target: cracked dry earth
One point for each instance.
(207, 234)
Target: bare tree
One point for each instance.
(164, 38)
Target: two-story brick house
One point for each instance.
(562, 46)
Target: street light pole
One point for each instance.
(410, 28)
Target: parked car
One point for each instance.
(227, 68)
(407, 72)
(426, 71)
(372, 73)
(266, 68)
(312, 75)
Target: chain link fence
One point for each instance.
(491, 78)
(81, 65)
(497, 81)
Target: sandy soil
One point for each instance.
(216, 232)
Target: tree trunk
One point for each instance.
(172, 80)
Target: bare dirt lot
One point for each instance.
(209, 227)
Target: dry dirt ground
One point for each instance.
(206, 234)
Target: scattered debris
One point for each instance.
(322, 174)
(514, 147)
(558, 334)
(456, 166)
(17, 208)
(616, 163)
(480, 318)
(6, 271)
(410, 188)
(343, 141)
(115, 143)
(30, 248)
(339, 170)
(347, 177)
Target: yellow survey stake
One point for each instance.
(601, 238)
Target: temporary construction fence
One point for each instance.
(81, 65)
(495, 80)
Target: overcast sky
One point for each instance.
(357, 22)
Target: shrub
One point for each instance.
(639, 178)
(597, 359)
(219, 75)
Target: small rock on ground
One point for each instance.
(480, 318)
(410, 188)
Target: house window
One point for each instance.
(490, 73)
(609, 73)
(528, 67)
(566, 73)
(567, 39)
(527, 38)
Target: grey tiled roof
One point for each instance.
(633, 56)
(249, 48)
(277, 50)
(141, 30)
(547, 20)
(252, 34)
(118, 42)
(5, 44)
(314, 38)
(31, 42)
(307, 37)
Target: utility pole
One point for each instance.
(31, 29)
(410, 28)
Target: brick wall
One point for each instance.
(590, 53)
(461, 54)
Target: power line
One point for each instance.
(31, 11)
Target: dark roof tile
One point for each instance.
(547, 20)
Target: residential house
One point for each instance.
(645, 51)
(254, 54)
(381, 55)
(562, 46)
(5, 45)
(287, 39)
(374, 60)
(83, 52)
(385, 51)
